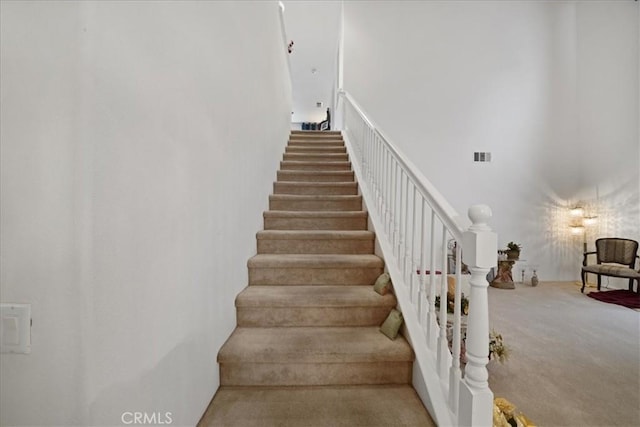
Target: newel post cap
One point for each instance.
(479, 216)
(479, 243)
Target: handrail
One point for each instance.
(283, 30)
(401, 203)
(453, 221)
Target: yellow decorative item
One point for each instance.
(506, 407)
(504, 415)
(498, 418)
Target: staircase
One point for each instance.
(307, 349)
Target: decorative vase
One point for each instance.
(534, 279)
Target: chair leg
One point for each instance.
(584, 278)
(599, 281)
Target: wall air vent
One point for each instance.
(482, 156)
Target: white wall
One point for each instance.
(314, 28)
(139, 142)
(549, 88)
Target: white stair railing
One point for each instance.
(413, 224)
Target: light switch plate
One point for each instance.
(15, 328)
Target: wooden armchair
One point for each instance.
(615, 257)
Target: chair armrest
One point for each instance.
(584, 259)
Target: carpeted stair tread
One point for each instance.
(317, 133)
(315, 220)
(316, 188)
(337, 406)
(297, 306)
(315, 214)
(313, 143)
(310, 165)
(320, 149)
(315, 261)
(315, 241)
(313, 296)
(315, 197)
(315, 176)
(313, 345)
(316, 234)
(315, 202)
(330, 157)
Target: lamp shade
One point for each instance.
(577, 229)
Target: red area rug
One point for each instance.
(619, 296)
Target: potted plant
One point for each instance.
(513, 250)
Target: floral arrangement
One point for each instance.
(497, 348)
(514, 247)
(505, 415)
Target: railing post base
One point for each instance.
(475, 407)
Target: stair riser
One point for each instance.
(309, 143)
(263, 317)
(331, 157)
(315, 150)
(310, 190)
(316, 205)
(315, 136)
(315, 223)
(319, 246)
(315, 166)
(308, 374)
(313, 276)
(314, 176)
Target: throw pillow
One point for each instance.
(383, 284)
(391, 326)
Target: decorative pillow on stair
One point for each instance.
(383, 284)
(391, 326)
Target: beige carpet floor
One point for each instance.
(340, 406)
(574, 361)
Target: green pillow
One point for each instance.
(391, 326)
(383, 284)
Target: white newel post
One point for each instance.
(479, 252)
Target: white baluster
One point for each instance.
(443, 343)
(454, 372)
(399, 216)
(396, 214)
(432, 323)
(423, 267)
(405, 228)
(414, 231)
(387, 188)
(392, 204)
(479, 250)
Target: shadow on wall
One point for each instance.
(617, 213)
(162, 395)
